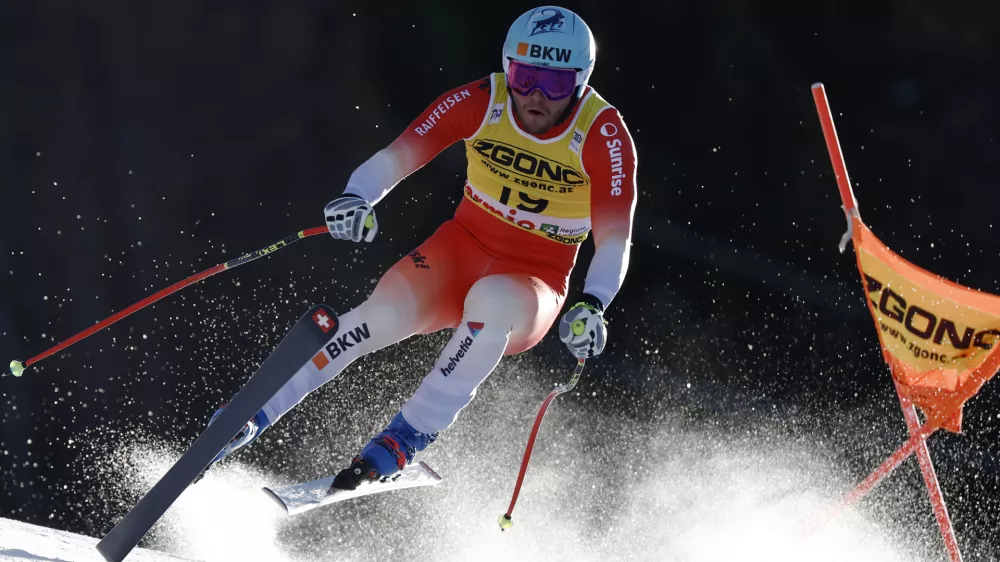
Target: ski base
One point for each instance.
(298, 498)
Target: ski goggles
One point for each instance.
(555, 83)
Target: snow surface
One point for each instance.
(22, 541)
(711, 499)
(688, 470)
(713, 506)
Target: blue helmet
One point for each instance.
(552, 36)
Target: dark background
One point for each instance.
(143, 143)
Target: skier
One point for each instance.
(549, 161)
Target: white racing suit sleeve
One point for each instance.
(611, 161)
(376, 177)
(607, 269)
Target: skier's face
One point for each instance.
(537, 113)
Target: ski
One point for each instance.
(312, 331)
(298, 498)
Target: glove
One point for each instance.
(583, 328)
(350, 217)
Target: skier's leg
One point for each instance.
(388, 316)
(412, 297)
(504, 314)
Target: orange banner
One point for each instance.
(939, 338)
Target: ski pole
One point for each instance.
(17, 367)
(505, 520)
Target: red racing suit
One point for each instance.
(498, 230)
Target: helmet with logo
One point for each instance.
(552, 37)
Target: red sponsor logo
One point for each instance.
(324, 321)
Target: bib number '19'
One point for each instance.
(528, 203)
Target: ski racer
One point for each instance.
(549, 162)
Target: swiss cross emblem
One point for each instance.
(324, 321)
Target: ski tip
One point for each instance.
(276, 499)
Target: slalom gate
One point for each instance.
(937, 337)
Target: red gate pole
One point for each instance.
(930, 480)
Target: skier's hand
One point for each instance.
(583, 328)
(350, 217)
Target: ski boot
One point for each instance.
(250, 431)
(388, 452)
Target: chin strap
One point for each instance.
(569, 108)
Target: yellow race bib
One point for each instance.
(538, 185)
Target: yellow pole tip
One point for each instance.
(16, 368)
(505, 522)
